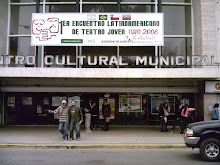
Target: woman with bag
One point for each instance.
(106, 112)
(162, 120)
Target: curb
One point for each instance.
(93, 146)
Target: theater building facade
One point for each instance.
(135, 76)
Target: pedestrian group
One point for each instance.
(73, 115)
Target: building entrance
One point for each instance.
(126, 108)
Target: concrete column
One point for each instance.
(200, 100)
(205, 32)
(217, 16)
(3, 26)
(3, 43)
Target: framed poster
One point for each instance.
(46, 100)
(111, 101)
(57, 100)
(130, 103)
(39, 109)
(26, 100)
(11, 101)
(156, 101)
(76, 99)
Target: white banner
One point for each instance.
(97, 29)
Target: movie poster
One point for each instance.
(156, 101)
(130, 103)
(57, 100)
(74, 98)
(39, 109)
(111, 101)
(26, 100)
(46, 100)
(11, 101)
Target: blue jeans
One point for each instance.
(63, 129)
(72, 123)
(162, 125)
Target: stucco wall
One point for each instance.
(209, 101)
(205, 20)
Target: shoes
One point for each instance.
(181, 133)
(78, 139)
(71, 138)
(88, 131)
(172, 131)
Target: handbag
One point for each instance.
(107, 119)
(86, 110)
(165, 119)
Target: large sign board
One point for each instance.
(97, 29)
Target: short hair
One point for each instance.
(216, 105)
(104, 99)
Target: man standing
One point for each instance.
(63, 118)
(106, 112)
(76, 118)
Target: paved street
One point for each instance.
(9, 156)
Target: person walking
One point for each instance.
(184, 115)
(162, 121)
(63, 118)
(106, 112)
(88, 110)
(178, 120)
(76, 118)
(166, 113)
(215, 112)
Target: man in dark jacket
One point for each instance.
(76, 118)
(106, 112)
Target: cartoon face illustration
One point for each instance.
(37, 26)
(53, 25)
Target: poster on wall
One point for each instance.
(39, 109)
(74, 98)
(46, 100)
(111, 101)
(156, 101)
(11, 101)
(26, 100)
(57, 100)
(130, 103)
(185, 101)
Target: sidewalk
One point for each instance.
(117, 137)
